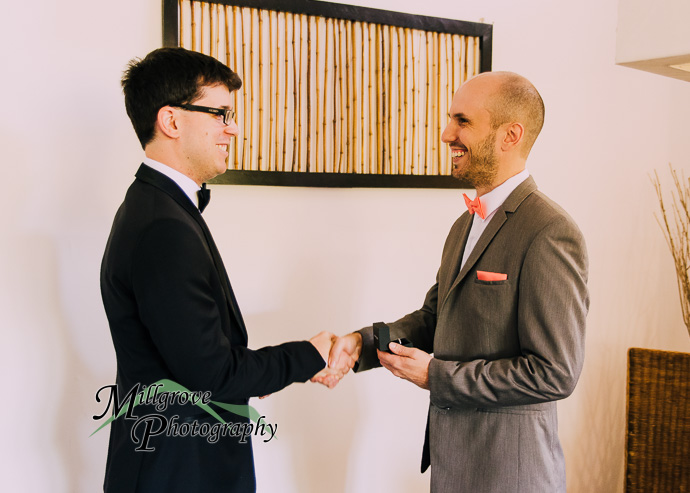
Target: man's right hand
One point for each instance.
(343, 356)
(323, 341)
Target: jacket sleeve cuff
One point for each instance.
(368, 358)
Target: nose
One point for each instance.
(232, 129)
(447, 135)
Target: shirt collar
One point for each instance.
(188, 186)
(495, 198)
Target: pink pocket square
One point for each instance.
(491, 276)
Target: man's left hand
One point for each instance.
(409, 363)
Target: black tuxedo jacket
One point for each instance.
(173, 315)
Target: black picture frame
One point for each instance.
(353, 13)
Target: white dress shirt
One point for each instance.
(188, 186)
(490, 202)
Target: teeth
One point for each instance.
(457, 153)
(222, 147)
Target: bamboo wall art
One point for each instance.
(334, 95)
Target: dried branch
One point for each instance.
(675, 225)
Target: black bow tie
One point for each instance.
(204, 197)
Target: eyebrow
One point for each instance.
(460, 117)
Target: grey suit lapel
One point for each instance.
(510, 205)
(455, 258)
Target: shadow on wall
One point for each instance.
(83, 340)
(316, 425)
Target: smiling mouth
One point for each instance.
(456, 153)
(222, 147)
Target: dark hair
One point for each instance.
(169, 76)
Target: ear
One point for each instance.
(514, 133)
(167, 122)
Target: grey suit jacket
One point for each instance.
(504, 351)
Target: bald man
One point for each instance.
(500, 337)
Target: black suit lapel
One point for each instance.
(159, 180)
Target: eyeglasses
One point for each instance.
(228, 115)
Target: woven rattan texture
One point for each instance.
(658, 439)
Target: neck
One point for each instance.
(168, 158)
(505, 171)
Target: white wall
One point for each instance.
(648, 30)
(303, 260)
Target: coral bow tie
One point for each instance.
(474, 206)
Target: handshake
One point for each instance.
(339, 353)
(398, 357)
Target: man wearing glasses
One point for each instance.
(170, 306)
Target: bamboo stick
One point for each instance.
(248, 78)
(436, 107)
(261, 127)
(276, 62)
(297, 76)
(415, 103)
(212, 31)
(381, 95)
(476, 56)
(385, 94)
(361, 101)
(279, 95)
(353, 76)
(409, 97)
(180, 8)
(449, 98)
(324, 117)
(396, 107)
(373, 101)
(317, 100)
(218, 30)
(394, 111)
(193, 17)
(345, 99)
(442, 96)
(421, 168)
(252, 63)
(337, 95)
(304, 92)
(229, 52)
(309, 71)
(345, 163)
(237, 67)
(431, 105)
(468, 58)
(285, 95)
(294, 93)
(201, 27)
(402, 101)
(460, 62)
(234, 142)
(400, 83)
(456, 64)
(270, 156)
(344, 89)
(365, 85)
(385, 100)
(217, 39)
